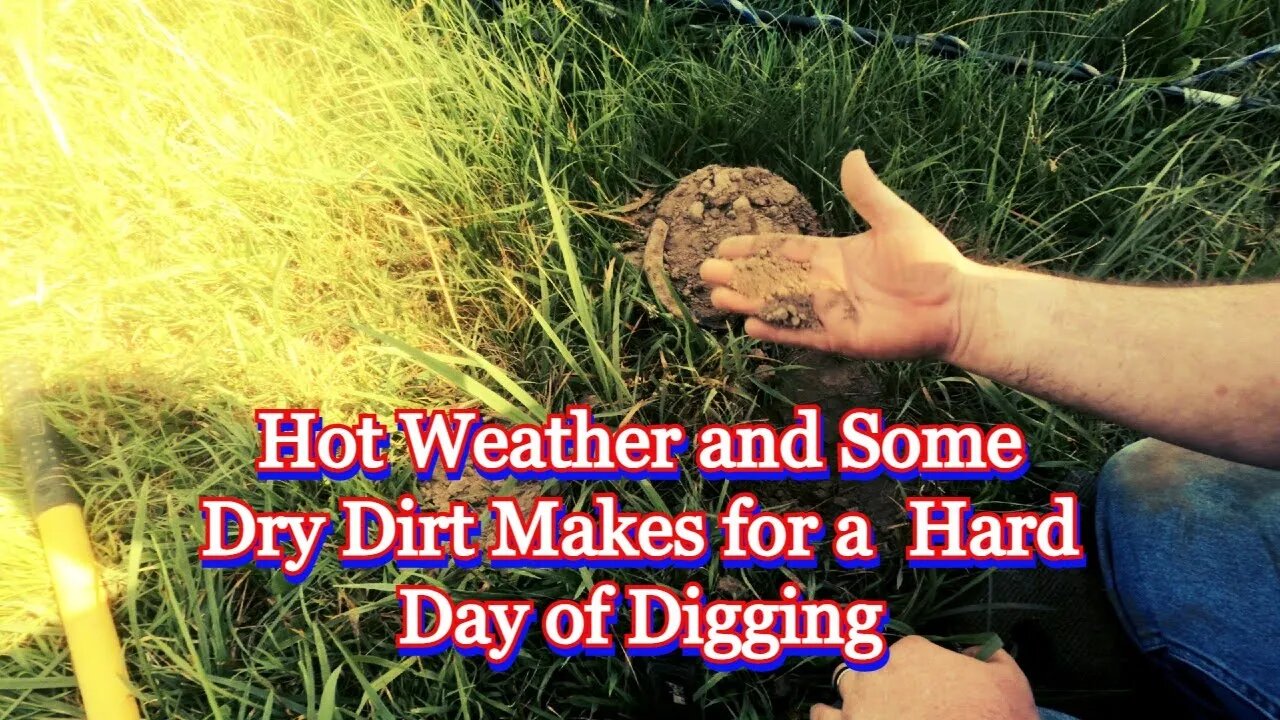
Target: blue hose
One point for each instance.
(1231, 67)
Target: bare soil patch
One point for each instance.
(474, 490)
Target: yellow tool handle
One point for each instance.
(96, 656)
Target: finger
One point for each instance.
(736, 247)
(811, 338)
(1000, 657)
(1001, 665)
(733, 301)
(740, 246)
(872, 199)
(714, 271)
(823, 712)
(846, 680)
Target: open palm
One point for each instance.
(889, 293)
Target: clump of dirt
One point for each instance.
(475, 491)
(707, 206)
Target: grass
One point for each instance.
(208, 207)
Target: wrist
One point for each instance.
(974, 312)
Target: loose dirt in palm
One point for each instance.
(784, 285)
(715, 203)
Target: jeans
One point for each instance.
(1190, 549)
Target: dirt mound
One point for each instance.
(709, 205)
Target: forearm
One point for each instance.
(1198, 367)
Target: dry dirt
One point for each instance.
(714, 203)
(475, 491)
(784, 285)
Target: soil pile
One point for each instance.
(714, 203)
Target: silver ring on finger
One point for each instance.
(839, 673)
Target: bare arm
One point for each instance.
(1195, 366)
(1198, 367)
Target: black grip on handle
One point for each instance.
(48, 483)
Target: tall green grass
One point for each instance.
(207, 207)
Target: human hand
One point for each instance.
(923, 680)
(892, 292)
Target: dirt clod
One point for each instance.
(792, 311)
(709, 205)
(474, 490)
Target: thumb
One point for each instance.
(872, 199)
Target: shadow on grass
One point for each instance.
(123, 443)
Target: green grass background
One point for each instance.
(208, 207)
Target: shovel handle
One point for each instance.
(96, 656)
